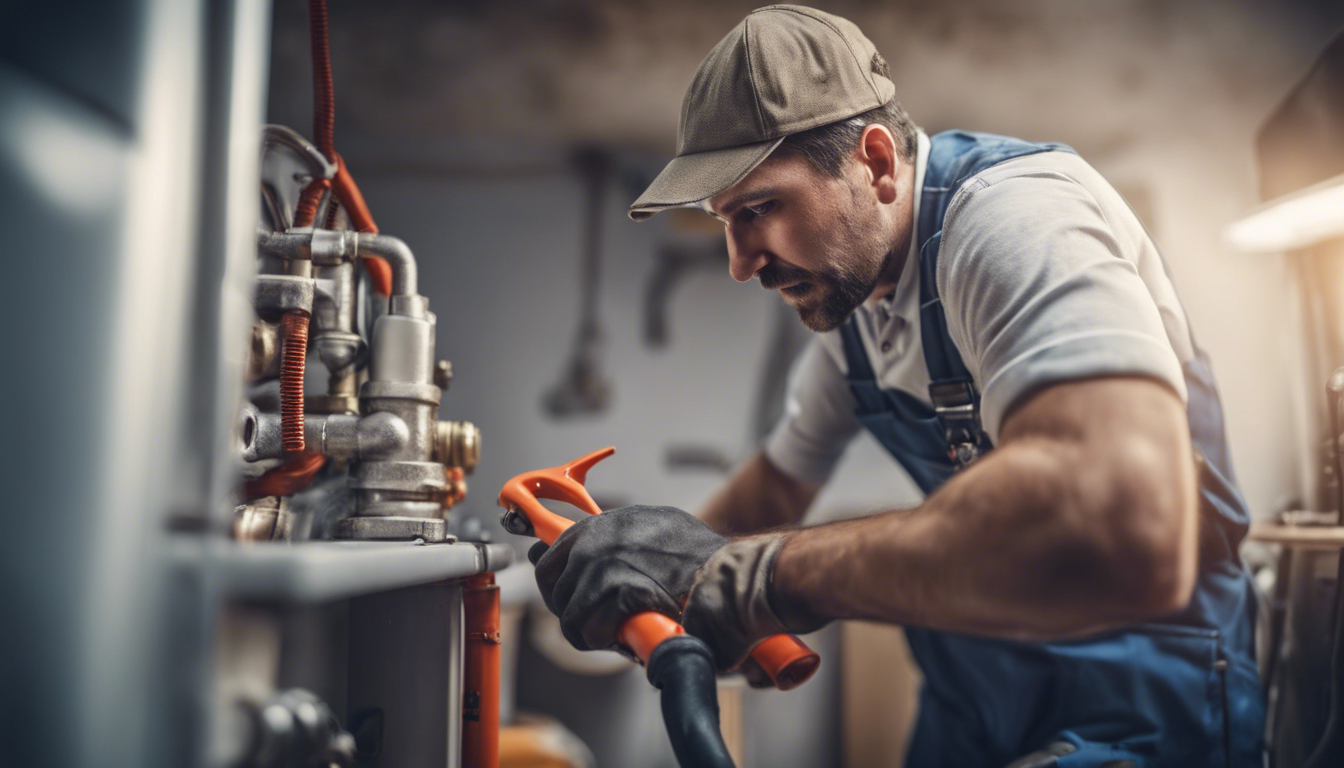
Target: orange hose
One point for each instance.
(480, 676)
(348, 193)
(299, 471)
(353, 200)
(287, 478)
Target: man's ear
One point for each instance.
(877, 154)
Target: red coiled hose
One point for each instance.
(324, 135)
(293, 353)
(324, 94)
(309, 201)
(324, 111)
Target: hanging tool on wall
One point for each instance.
(679, 664)
(584, 388)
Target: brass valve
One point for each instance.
(457, 444)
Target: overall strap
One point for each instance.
(952, 390)
(856, 357)
(954, 157)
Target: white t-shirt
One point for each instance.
(1045, 275)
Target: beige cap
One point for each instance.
(782, 70)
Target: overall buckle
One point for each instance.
(958, 411)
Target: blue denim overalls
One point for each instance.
(1182, 692)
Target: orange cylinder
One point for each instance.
(786, 660)
(480, 678)
(644, 632)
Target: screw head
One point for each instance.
(443, 374)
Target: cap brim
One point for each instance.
(689, 179)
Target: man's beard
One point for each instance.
(833, 295)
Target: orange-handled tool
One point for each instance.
(785, 658)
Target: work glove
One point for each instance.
(608, 567)
(731, 606)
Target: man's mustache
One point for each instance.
(774, 276)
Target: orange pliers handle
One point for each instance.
(785, 658)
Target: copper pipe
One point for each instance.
(480, 677)
(293, 355)
(289, 478)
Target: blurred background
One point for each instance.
(502, 141)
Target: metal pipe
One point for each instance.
(299, 245)
(286, 245)
(337, 246)
(343, 436)
(398, 256)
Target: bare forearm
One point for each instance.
(1036, 540)
(757, 497)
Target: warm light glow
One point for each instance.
(1303, 218)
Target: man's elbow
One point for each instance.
(1114, 581)
(1141, 548)
(1154, 556)
(1163, 582)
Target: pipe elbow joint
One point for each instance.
(381, 435)
(397, 255)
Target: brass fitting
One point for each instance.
(457, 444)
(264, 351)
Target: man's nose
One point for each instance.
(745, 257)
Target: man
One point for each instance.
(996, 316)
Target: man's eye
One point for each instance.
(760, 209)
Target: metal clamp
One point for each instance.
(290, 138)
(283, 293)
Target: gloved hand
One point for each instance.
(609, 567)
(731, 605)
